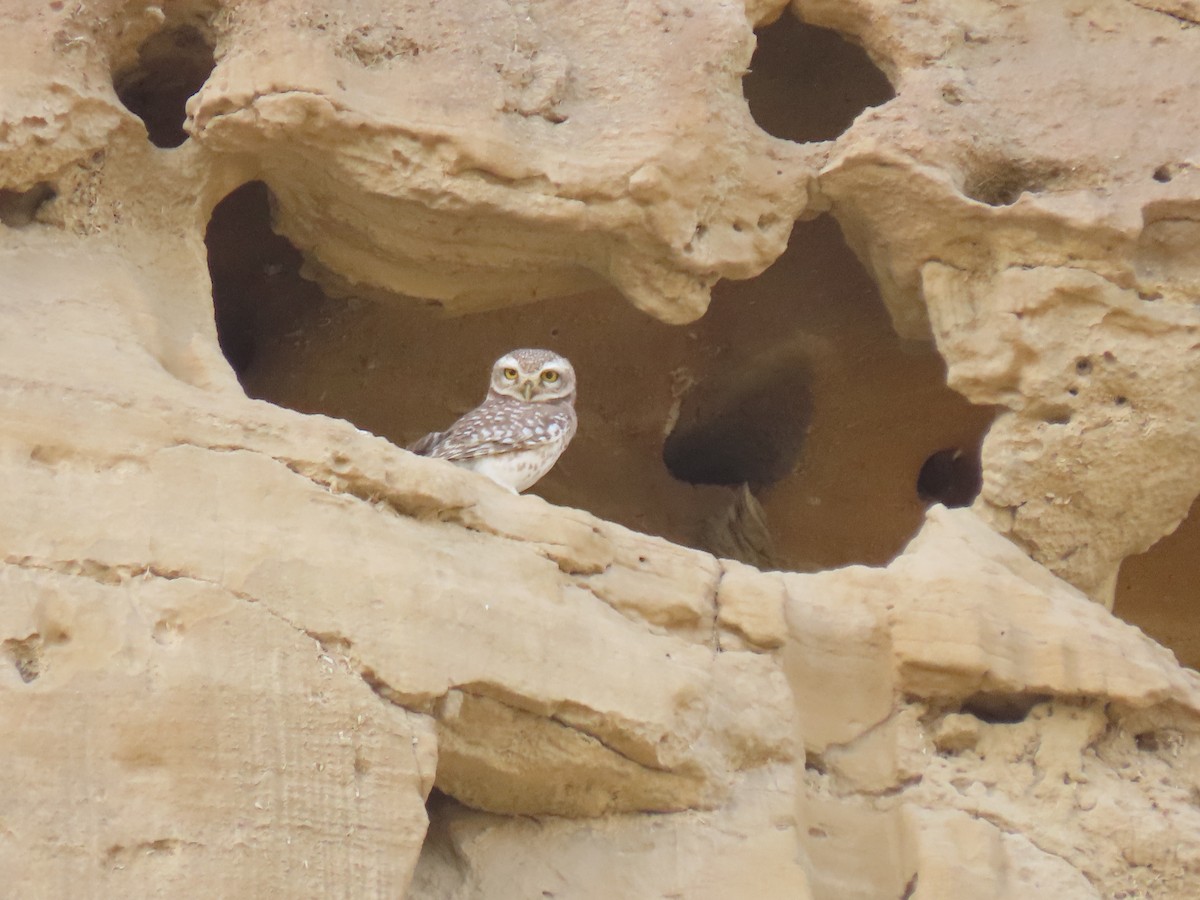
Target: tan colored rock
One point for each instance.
(163, 733)
(957, 855)
(1054, 258)
(750, 607)
(1018, 703)
(538, 145)
(748, 851)
(270, 653)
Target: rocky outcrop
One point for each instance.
(1049, 245)
(265, 650)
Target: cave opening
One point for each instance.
(745, 429)
(818, 417)
(170, 66)
(952, 476)
(1156, 590)
(256, 281)
(787, 427)
(808, 83)
(20, 208)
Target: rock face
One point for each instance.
(263, 650)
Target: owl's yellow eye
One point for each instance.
(550, 376)
(510, 374)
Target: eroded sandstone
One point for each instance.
(267, 651)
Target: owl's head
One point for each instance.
(533, 376)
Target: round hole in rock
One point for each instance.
(808, 84)
(851, 411)
(1156, 590)
(172, 64)
(745, 426)
(952, 477)
(20, 208)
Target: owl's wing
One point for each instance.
(424, 446)
(454, 444)
(488, 431)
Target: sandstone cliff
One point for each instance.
(922, 276)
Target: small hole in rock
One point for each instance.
(172, 64)
(1120, 401)
(998, 708)
(20, 208)
(1156, 590)
(25, 654)
(439, 866)
(1083, 366)
(808, 84)
(1002, 182)
(952, 477)
(1058, 416)
(1162, 174)
(1147, 741)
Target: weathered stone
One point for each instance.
(265, 651)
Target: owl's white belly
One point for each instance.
(519, 469)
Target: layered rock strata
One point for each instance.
(270, 653)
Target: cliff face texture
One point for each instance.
(887, 335)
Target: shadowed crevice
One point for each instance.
(171, 65)
(809, 84)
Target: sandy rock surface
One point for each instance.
(247, 643)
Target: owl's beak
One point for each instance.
(527, 390)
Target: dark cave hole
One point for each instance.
(255, 275)
(171, 65)
(999, 708)
(20, 208)
(1148, 742)
(809, 84)
(815, 762)
(437, 803)
(952, 477)
(748, 428)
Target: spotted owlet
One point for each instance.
(516, 435)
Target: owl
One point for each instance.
(516, 435)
